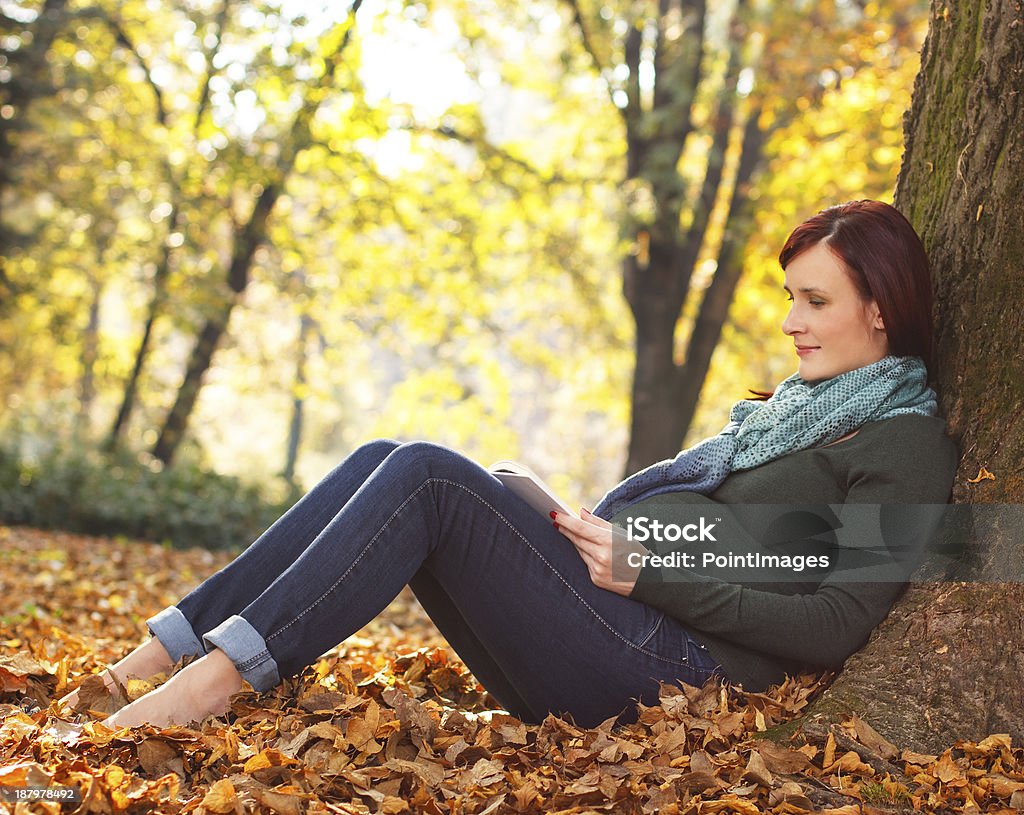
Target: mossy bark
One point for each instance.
(947, 662)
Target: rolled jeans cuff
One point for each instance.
(175, 633)
(247, 649)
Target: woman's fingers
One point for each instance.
(595, 546)
(590, 517)
(578, 526)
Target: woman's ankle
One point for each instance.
(147, 659)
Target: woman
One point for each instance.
(531, 605)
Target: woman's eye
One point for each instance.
(817, 303)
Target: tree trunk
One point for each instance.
(656, 280)
(295, 426)
(947, 663)
(175, 181)
(714, 309)
(156, 303)
(90, 353)
(247, 241)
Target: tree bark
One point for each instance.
(946, 663)
(656, 278)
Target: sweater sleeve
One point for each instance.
(826, 626)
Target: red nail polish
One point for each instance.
(556, 526)
(552, 514)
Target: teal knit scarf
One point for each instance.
(797, 416)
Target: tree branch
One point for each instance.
(211, 52)
(488, 149)
(723, 121)
(589, 45)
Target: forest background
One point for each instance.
(238, 239)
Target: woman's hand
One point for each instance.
(592, 537)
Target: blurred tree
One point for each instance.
(175, 178)
(24, 78)
(664, 72)
(249, 234)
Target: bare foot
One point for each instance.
(149, 658)
(201, 689)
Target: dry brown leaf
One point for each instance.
(269, 758)
(920, 759)
(779, 759)
(431, 773)
(870, 737)
(947, 771)
(359, 733)
(221, 797)
(525, 796)
(792, 794)
(282, 803)
(700, 782)
(757, 771)
(1002, 786)
(411, 713)
(157, 757)
(484, 773)
(15, 670)
(829, 756)
(995, 742)
(700, 762)
(849, 762)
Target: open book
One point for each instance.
(529, 486)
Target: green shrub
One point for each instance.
(79, 489)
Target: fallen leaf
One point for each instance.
(757, 771)
(221, 797)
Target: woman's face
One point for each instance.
(835, 330)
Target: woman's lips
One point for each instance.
(804, 350)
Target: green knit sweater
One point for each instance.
(761, 631)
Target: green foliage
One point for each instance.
(76, 488)
(889, 793)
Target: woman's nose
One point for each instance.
(792, 323)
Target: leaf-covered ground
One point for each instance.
(392, 722)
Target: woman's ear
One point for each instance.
(876, 317)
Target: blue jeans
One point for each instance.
(508, 591)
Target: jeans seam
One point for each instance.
(252, 662)
(525, 540)
(654, 628)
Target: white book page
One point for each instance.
(529, 486)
